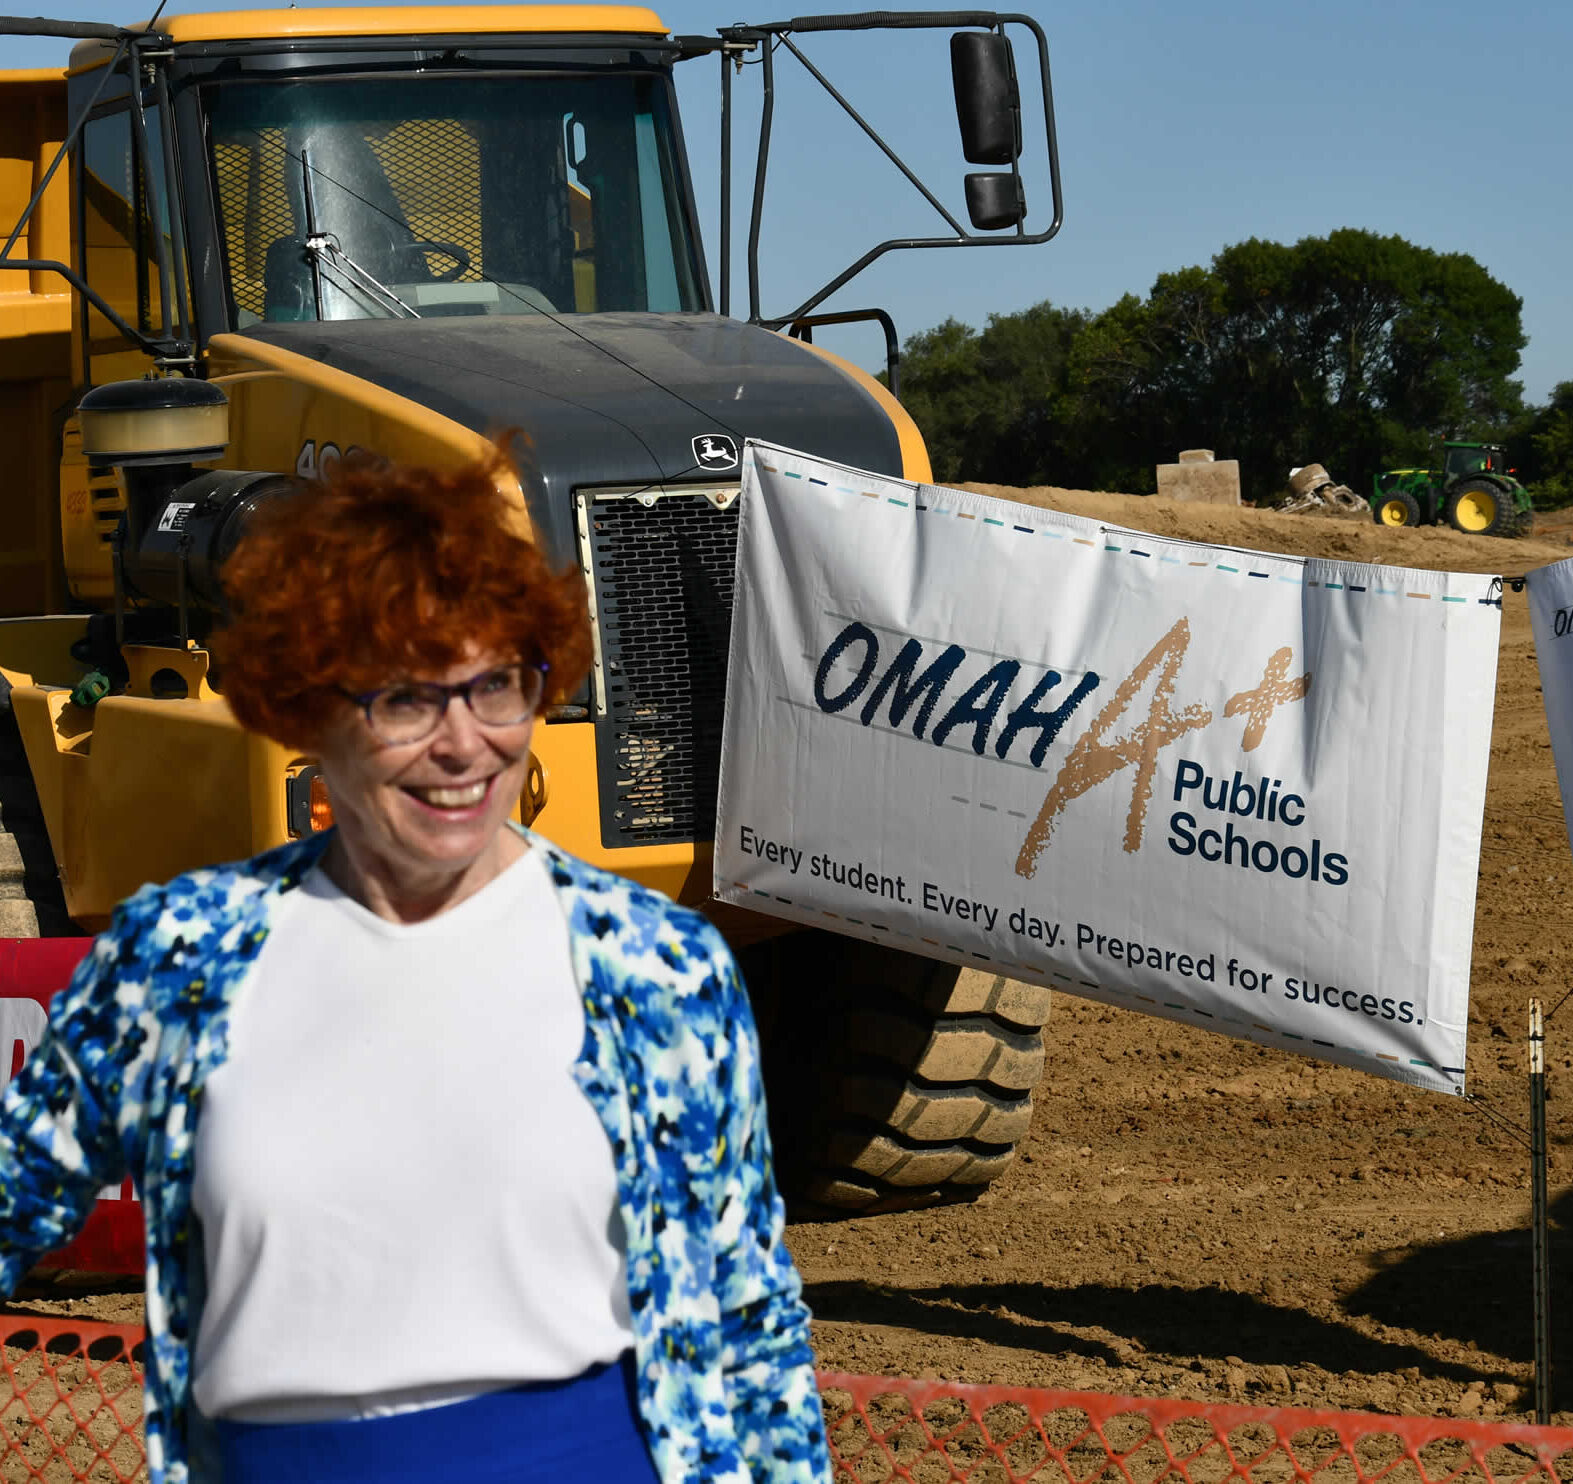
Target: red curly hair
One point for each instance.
(382, 571)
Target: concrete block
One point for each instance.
(1215, 483)
(1196, 455)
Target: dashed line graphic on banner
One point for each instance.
(991, 808)
(1352, 588)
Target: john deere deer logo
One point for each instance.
(715, 451)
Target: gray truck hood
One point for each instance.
(609, 399)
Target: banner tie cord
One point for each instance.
(1478, 1104)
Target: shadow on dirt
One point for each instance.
(1163, 1319)
(1478, 1289)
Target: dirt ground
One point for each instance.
(1196, 1217)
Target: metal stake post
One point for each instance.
(1539, 1233)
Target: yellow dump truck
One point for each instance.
(258, 240)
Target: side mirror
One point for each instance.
(988, 102)
(995, 200)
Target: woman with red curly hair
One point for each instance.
(451, 1147)
(387, 573)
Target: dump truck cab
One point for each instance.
(284, 236)
(333, 176)
(376, 235)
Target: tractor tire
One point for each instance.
(893, 1081)
(1477, 507)
(1396, 508)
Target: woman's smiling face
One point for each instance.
(424, 821)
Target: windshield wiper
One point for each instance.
(326, 253)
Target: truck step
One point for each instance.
(25, 917)
(18, 918)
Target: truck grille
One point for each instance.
(660, 564)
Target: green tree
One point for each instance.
(1543, 449)
(1355, 350)
(942, 387)
(992, 405)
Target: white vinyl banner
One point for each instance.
(1237, 790)
(1551, 617)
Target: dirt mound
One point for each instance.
(1437, 547)
(1196, 1217)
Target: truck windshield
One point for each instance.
(438, 196)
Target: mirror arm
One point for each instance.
(39, 25)
(848, 274)
(168, 350)
(1050, 133)
(42, 27)
(726, 184)
(869, 129)
(898, 244)
(906, 20)
(874, 20)
(689, 47)
(756, 218)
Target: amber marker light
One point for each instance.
(308, 810)
(321, 806)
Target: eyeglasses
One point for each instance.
(413, 709)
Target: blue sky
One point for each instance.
(1181, 129)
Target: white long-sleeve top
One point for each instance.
(406, 1198)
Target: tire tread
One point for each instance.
(895, 1081)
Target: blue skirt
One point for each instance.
(584, 1428)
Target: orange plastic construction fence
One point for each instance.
(71, 1402)
(74, 1411)
(934, 1432)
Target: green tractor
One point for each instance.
(1475, 493)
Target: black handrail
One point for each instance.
(802, 329)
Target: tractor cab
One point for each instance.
(1460, 460)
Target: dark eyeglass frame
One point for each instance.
(443, 696)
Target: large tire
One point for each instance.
(1396, 508)
(1477, 507)
(893, 1081)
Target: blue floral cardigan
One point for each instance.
(670, 1063)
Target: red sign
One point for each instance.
(32, 972)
